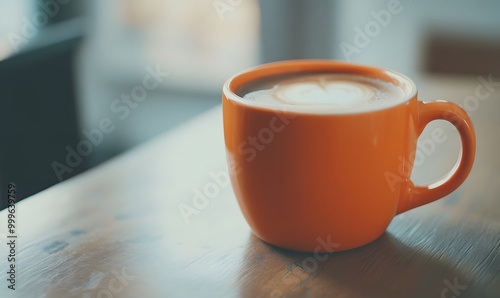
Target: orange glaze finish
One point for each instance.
(301, 177)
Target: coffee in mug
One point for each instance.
(344, 92)
(324, 151)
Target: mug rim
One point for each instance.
(311, 65)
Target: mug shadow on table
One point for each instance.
(384, 268)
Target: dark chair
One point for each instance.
(38, 116)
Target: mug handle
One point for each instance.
(416, 196)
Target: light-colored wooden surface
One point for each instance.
(117, 230)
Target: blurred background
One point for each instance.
(82, 81)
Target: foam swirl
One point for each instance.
(341, 90)
(322, 91)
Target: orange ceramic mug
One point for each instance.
(317, 178)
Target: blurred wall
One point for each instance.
(196, 45)
(400, 44)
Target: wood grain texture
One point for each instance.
(117, 231)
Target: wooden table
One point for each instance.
(118, 230)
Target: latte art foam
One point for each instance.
(324, 90)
